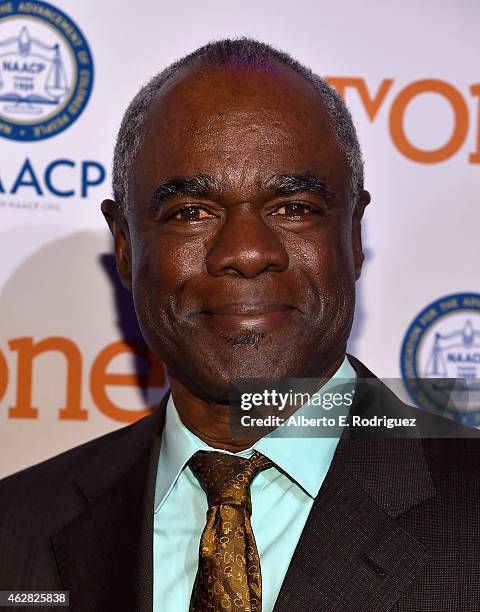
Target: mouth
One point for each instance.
(261, 316)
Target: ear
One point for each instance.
(119, 227)
(358, 255)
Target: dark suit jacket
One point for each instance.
(395, 526)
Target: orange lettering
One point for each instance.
(474, 158)
(372, 105)
(100, 378)
(27, 351)
(3, 374)
(460, 128)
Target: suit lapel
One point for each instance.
(105, 555)
(353, 554)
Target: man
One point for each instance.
(238, 185)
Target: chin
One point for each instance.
(248, 359)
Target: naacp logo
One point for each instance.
(440, 358)
(46, 70)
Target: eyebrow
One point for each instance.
(198, 186)
(202, 185)
(307, 182)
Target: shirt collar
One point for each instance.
(305, 459)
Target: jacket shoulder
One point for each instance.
(41, 500)
(57, 472)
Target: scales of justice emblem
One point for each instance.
(440, 357)
(33, 78)
(453, 367)
(456, 354)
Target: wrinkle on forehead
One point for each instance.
(241, 123)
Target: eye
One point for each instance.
(294, 209)
(189, 213)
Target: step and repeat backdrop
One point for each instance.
(72, 362)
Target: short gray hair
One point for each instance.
(245, 52)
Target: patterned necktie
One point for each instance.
(228, 576)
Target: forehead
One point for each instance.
(238, 122)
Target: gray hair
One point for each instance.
(245, 52)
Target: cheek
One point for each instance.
(173, 264)
(325, 257)
(161, 270)
(326, 281)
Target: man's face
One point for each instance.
(242, 243)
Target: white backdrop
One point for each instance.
(409, 75)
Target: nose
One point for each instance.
(246, 245)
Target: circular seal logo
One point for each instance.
(440, 358)
(46, 70)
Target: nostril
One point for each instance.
(378, 569)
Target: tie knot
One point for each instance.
(227, 478)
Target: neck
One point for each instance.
(211, 421)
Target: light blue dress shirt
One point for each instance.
(281, 502)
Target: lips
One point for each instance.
(260, 316)
(259, 308)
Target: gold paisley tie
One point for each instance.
(228, 576)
